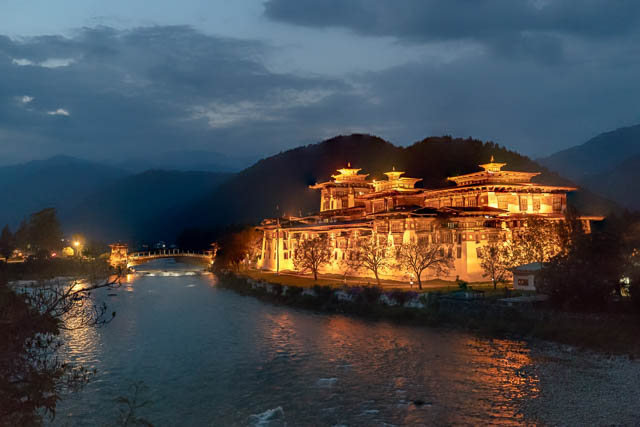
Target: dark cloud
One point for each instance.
(529, 28)
(105, 93)
(113, 93)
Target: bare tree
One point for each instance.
(371, 255)
(312, 254)
(496, 260)
(34, 379)
(421, 256)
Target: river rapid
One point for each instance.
(212, 357)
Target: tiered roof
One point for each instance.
(395, 181)
(493, 174)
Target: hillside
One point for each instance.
(620, 183)
(58, 182)
(140, 207)
(187, 160)
(596, 156)
(279, 184)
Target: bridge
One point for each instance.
(121, 257)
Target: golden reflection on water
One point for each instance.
(484, 378)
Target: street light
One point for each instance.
(76, 243)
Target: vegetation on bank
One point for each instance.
(608, 332)
(39, 298)
(591, 279)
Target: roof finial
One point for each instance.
(348, 164)
(393, 167)
(492, 160)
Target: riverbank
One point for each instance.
(578, 388)
(602, 332)
(54, 268)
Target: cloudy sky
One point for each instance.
(107, 80)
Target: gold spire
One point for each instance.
(492, 166)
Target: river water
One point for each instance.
(209, 356)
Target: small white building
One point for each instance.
(524, 276)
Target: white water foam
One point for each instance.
(326, 382)
(270, 417)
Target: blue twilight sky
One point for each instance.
(115, 79)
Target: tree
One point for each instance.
(22, 235)
(372, 256)
(33, 378)
(44, 230)
(312, 254)
(238, 249)
(539, 241)
(7, 243)
(496, 262)
(421, 256)
(586, 275)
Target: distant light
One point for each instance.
(53, 254)
(76, 243)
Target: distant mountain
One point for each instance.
(279, 184)
(58, 182)
(188, 160)
(599, 154)
(141, 207)
(621, 183)
(607, 164)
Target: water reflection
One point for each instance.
(212, 357)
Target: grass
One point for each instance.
(337, 281)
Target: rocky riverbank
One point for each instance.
(606, 333)
(579, 388)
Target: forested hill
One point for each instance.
(141, 207)
(58, 182)
(279, 184)
(598, 155)
(608, 164)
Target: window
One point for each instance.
(536, 204)
(523, 282)
(503, 203)
(557, 204)
(479, 252)
(458, 202)
(459, 252)
(524, 204)
(286, 255)
(397, 227)
(450, 253)
(472, 202)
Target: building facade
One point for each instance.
(483, 207)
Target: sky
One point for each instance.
(125, 78)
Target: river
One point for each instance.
(212, 357)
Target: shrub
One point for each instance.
(371, 294)
(324, 293)
(294, 291)
(634, 292)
